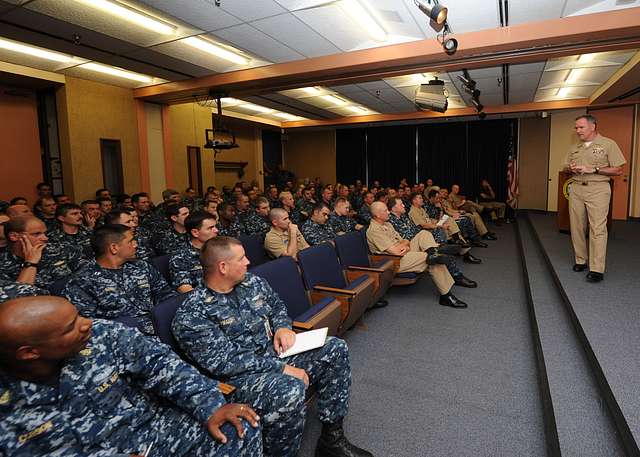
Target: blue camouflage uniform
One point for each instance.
(256, 224)
(364, 214)
(296, 216)
(242, 217)
(120, 393)
(231, 337)
(82, 239)
(58, 261)
(344, 224)
(185, 268)
(234, 230)
(316, 233)
(131, 291)
(51, 223)
(144, 250)
(407, 230)
(10, 290)
(464, 223)
(305, 207)
(169, 241)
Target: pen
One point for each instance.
(146, 453)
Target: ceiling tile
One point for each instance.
(578, 7)
(249, 10)
(464, 16)
(372, 86)
(524, 82)
(247, 37)
(347, 88)
(492, 99)
(201, 14)
(331, 22)
(292, 32)
(521, 97)
(521, 11)
(180, 67)
(524, 68)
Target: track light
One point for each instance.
(450, 45)
(436, 13)
(477, 105)
(466, 80)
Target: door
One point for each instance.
(112, 166)
(617, 124)
(195, 168)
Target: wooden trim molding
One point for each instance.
(143, 146)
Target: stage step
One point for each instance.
(577, 420)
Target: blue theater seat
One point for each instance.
(284, 277)
(254, 249)
(161, 262)
(323, 277)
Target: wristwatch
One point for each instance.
(597, 170)
(29, 264)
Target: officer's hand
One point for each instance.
(293, 228)
(283, 340)
(31, 253)
(231, 412)
(297, 373)
(91, 221)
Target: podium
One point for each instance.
(565, 181)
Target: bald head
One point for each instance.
(377, 208)
(18, 210)
(277, 213)
(44, 328)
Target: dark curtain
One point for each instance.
(466, 152)
(351, 158)
(391, 154)
(271, 155)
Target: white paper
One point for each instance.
(306, 341)
(442, 220)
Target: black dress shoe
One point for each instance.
(449, 249)
(479, 244)
(594, 276)
(463, 281)
(489, 236)
(469, 258)
(579, 267)
(452, 301)
(380, 304)
(462, 243)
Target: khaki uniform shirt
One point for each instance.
(381, 237)
(277, 241)
(419, 216)
(602, 152)
(455, 200)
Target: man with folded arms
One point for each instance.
(70, 386)
(418, 255)
(234, 329)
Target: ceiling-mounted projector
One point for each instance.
(432, 96)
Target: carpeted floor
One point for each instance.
(436, 381)
(607, 311)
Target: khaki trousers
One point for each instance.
(478, 223)
(470, 207)
(498, 207)
(416, 261)
(590, 205)
(453, 228)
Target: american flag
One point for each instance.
(512, 177)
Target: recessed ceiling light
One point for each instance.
(334, 100)
(215, 49)
(586, 58)
(230, 101)
(563, 92)
(288, 116)
(114, 71)
(357, 109)
(360, 12)
(129, 14)
(574, 75)
(14, 46)
(256, 108)
(312, 90)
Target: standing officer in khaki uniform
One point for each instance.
(592, 162)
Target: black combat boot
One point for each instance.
(435, 258)
(333, 443)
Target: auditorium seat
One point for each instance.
(161, 262)
(162, 317)
(284, 277)
(324, 277)
(354, 257)
(254, 249)
(58, 286)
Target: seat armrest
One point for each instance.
(334, 290)
(226, 389)
(301, 326)
(369, 269)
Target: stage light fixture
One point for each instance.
(436, 12)
(450, 45)
(477, 105)
(432, 96)
(465, 78)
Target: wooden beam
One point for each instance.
(457, 112)
(529, 42)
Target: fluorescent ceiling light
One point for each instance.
(114, 71)
(361, 14)
(215, 49)
(288, 116)
(312, 90)
(334, 100)
(35, 52)
(256, 108)
(230, 101)
(563, 91)
(357, 109)
(131, 15)
(574, 75)
(586, 58)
